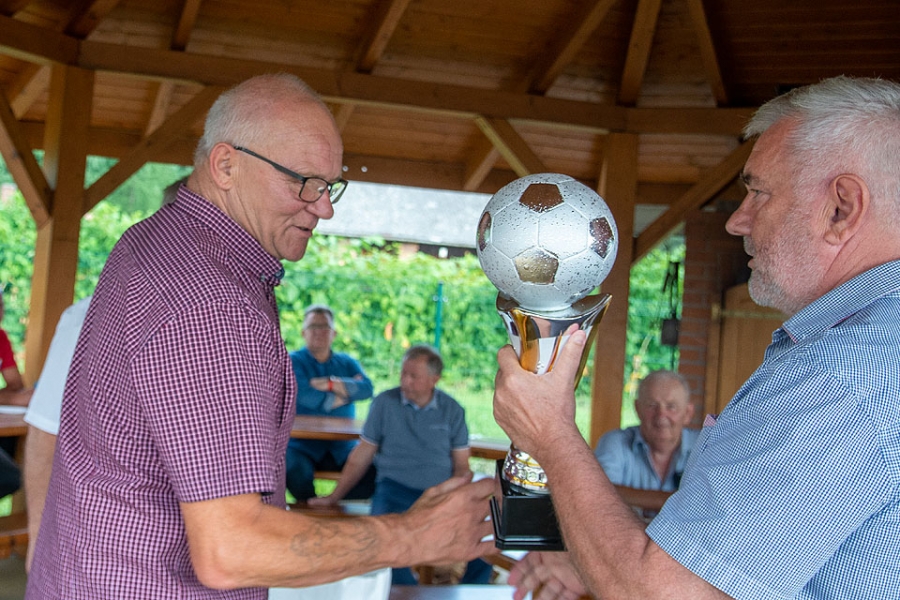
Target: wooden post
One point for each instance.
(618, 186)
(56, 248)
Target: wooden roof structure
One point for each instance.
(642, 100)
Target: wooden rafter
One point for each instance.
(185, 25)
(700, 193)
(162, 92)
(639, 50)
(23, 166)
(342, 115)
(358, 88)
(164, 135)
(511, 146)
(482, 160)
(11, 7)
(707, 51)
(84, 16)
(568, 45)
(383, 27)
(162, 95)
(81, 19)
(37, 81)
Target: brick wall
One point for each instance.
(714, 261)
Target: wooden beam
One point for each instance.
(185, 26)
(343, 114)
(568, 45)
(162, 95)
(164, 135)
(38, 80)
(511, 146)
(11, 7)
(36, 44)
(482, 160)
(56, 248)
(385, 23)
(17, 39)
(699, 194)
(707, 51)
(618, 186)
(639, 47)
(23, 166)
(85, 15)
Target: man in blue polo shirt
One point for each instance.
(793, 491)
(417, 437)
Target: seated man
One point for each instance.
(417, 437)
(652, 456)
(327, 384)
(10, 475)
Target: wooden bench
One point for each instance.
(13, 535)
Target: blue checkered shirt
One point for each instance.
(793, 493)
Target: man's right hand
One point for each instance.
(449, 521)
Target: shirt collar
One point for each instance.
(243, 247)
(844, 301)
(432, 404)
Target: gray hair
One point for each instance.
(432, 357)
(240, 114)
(843, 124)
(667, 375)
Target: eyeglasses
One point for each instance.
(311, 188)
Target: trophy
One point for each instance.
(545, 241)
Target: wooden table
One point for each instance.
(451, 592)
(12, 425)
(309, 427)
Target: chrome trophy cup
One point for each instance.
(545, 241)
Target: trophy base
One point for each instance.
(523, 521)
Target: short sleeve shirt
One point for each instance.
(7, 358)
(180, 391)
(46, 401)
(795, 491)
(625, 458)
(415, 445)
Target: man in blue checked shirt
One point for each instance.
(794, 490)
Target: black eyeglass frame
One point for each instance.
(340, 184)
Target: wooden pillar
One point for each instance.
(618, 186)
(56, 248)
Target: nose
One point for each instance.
(322, 207)
(741, 221)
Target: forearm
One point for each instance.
(278, 548)
(613, 554)
(237, 541)
(352, 472)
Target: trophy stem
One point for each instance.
(538, 339)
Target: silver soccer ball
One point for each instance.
(546, 241)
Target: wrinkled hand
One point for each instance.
(550, 575)
(448, 521)
(537, 409)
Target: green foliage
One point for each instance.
(383, 303)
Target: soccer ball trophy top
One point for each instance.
(545, 241)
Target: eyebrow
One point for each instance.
(748, 179)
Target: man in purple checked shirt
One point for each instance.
(168, 479)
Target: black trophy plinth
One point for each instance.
(523, 521)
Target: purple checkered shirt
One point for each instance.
(180, 391)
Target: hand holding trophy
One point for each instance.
(545, 241)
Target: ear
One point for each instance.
(221, 165)
(848, 206)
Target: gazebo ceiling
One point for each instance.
(452, 94)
